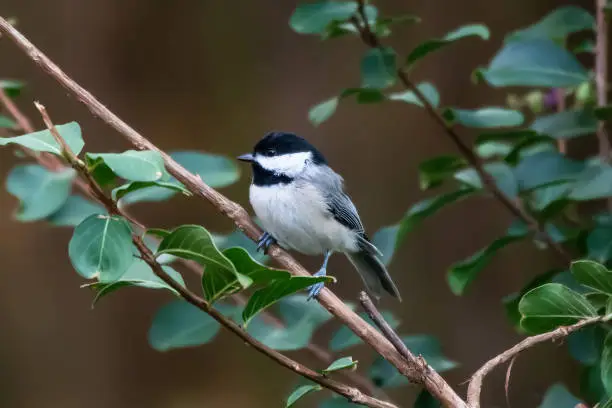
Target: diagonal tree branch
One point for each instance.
(371, 40)
(351, 393)
(432, 381)
(51, 162)
(475, 385)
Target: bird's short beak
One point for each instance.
(246, 157)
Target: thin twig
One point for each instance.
(386, 329)
(351, 393)
(433, 382)
(475, 386)
(372, 40)
(53, 163)
(601, 74)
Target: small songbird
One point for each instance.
(302, 206)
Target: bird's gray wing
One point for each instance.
(343, 210)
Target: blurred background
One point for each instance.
(215, 76)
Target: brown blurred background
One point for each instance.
(216, 75)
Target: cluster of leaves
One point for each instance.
(101, 250)
(522, 145)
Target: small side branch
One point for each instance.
(475, 386)
(601, 74)
(351, 393)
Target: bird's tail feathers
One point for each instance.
(373, 273)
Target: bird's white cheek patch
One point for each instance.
(290, 164)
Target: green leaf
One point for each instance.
(215, 170)
(433, 172)
(237, 239)
(426, 48)
(585, 345)
(11, 87)
(385, 239)
(557, 396)
(603, 112)
(341, 364)
(74, 211)
(599, 243)
(299, 320)
(546, 168)
(102, 174)
(277, 290)
(484, 118)
(101, 247)
(133, 165)
(426, 208)
(511, 301)
(43, 141)
(501, 172)
(128, 188)
(314, 18)
(606, 364)
(195, 243)
(591, 386)
(557, 25)
(301, 391)
(552, 305)
(505, 135)
(426, 400)
(493, 150)
(345, 337)
(40, 192)
(323, 111)
(593, 183)
(8, 123)
(427, 89)
(383, 374)
(218, 282)
(537, 62)
(567, 124)
(139, 274)
(179, 324)
(463, 273)
(378, 68)
(593, 275)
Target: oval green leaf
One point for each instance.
(567, 124)
(101, 247)
(593, 275)
(484, 118)
(43, 141)
(300, 392)
(146, 165)
(74, 211)
(427, 89)
(552, 305)
(40, 192)
(378, 68)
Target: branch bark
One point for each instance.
(432, 381)
(351, 393)
(475, 385)
(371, 40)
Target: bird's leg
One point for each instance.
(316, 288)
(265, 241)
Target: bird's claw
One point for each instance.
(315, 289)
(265, 241)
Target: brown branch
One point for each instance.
(475, 385)
(55, 164)
(432, 382)
(371, 40)
(601, 75)
(386, 329)
(351, 393)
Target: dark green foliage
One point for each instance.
(557, 396)
(43, 141)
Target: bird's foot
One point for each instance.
(315, 289)
(265, 241)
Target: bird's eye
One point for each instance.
(270, 152)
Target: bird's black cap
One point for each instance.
(279, 143)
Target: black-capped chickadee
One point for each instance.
(302, 206)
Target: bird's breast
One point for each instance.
(296, 215)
